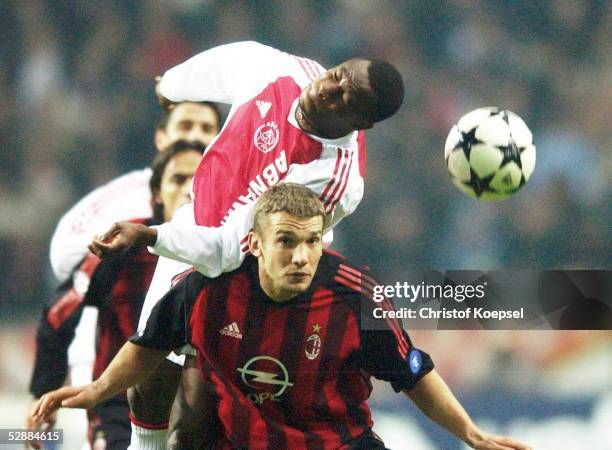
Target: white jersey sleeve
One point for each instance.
(124, 198)
(335, 177)
(221, 74)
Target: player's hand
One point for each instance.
(165, 104)
(494, 442)
(85, 397)
(122, 237)
(32, 425)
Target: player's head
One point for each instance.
(286, 239)
(189, 121)
(170, 183)
(352, 96)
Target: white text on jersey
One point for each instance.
(269, 176)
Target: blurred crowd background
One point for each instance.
(77, 108)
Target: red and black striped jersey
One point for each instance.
(117, 287)
(293, 374)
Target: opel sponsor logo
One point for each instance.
(272, 383)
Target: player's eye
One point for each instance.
(285, 241)
(185, 125)
(179, 179)
(314, 241)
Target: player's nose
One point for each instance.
(328, 89)
(196, 135)
(300, 256)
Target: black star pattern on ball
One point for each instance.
(480, 185)
(511, 152)
(467, 140)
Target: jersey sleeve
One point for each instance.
(335, 177)
(210, 250)
(124, 198)
(51, 360)
(387, 352)
(56, 329)
(222, 73)
(167, 327)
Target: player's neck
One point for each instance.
(273, 292)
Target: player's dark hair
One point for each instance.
(162, 123)
(291, 198)
(388, 87)
(158, 166)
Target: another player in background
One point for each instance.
(282, 345)
(290, 120)
(116, 288)
(125, 197)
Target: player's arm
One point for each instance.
(131, 365)
(389, 354)
(51, 362)
(166, 329)
(433, 396)
(335, 177)
(218, 74)
(211, 250)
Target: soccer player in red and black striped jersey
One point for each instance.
(117, 288)
(281, 345)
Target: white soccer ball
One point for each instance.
(490, 154)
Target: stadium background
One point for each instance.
(77, 108)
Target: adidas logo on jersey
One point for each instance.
(231, 330)
(263, 107)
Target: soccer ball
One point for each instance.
(490, 153)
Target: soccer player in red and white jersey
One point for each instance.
(290, 120)
(282, 345)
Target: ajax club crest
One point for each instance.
(266, 137)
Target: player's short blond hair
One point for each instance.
(291, 198)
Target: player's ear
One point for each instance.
(254, 244)
(160, 139)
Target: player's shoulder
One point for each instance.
(197, 281)
(346, 277)
(126, 183)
